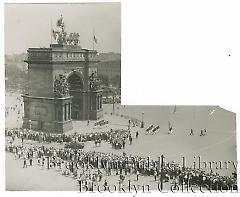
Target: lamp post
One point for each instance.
(30, 124)
(142, 123)
(161, 176)
(113, 100)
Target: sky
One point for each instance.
(29, 25)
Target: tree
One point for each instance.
(104, 80)
(116, 81)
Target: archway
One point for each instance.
(76, 86)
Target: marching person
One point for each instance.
(30, 161)
(130, 139)
(137, 173)
(43, 161)
(123, 144)
(105, 184)
(129, 124)
(155, 175)
(24, 162)
(191, 132)
(170, 128)
(137, 134)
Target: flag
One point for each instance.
(94, 39)
(60, 22)
(53, 34)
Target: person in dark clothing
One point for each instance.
(205, 131)
(155, 175)
(137, 175)
(137, 134)
(105, 184)
(24, 163)
(123, 143)
(130, 139)
(30, 161)
(191, 132)
(43, 161)
(100, 177)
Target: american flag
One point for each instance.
(94, 39)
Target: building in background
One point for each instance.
(111, 69)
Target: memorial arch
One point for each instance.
(60, 88)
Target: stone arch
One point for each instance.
(75, 80)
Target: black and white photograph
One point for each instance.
(66, 128)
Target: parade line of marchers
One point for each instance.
(136, 188)
(147, 163)
(74, 160)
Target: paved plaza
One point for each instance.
(219, 144)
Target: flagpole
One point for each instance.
(93, 39)
(51, 30)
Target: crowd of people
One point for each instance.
(92, 166)
(111, 100)
(116, 137)
(119, 137)
(89, 166)
(101, 123)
